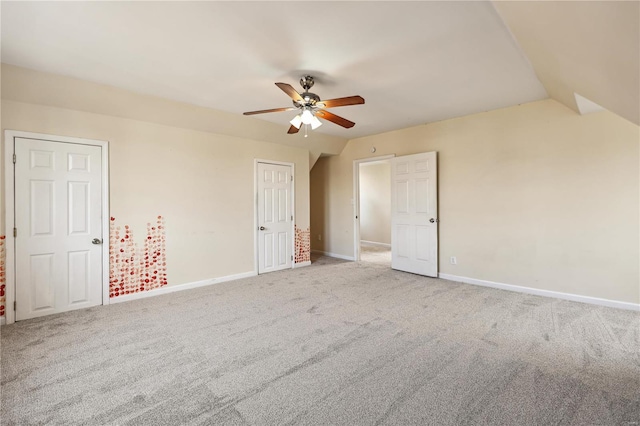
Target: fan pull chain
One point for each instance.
(306, 126)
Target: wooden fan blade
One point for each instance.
(269, 110)
(289, 90)
(293, 129)
(335, 119)
(338, 102)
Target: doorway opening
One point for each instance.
(412, 205)
(372, 203)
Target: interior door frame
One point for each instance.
(256, 251)
(9, 200)
(356, 200)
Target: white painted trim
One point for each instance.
(375, 243)
(9, 215)
(255, 209)
(301, 264)
(181, 287)
(256, 253)
(546, 293)
(9, 198)
(3, 320)
(337, 256)
(106, 223)
(356, 199)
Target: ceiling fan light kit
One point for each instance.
(311, 107)
(306, 116)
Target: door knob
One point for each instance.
(432, 220)
(262, 228)
(96, 241)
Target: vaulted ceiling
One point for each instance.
(589, 48)
(413, 62)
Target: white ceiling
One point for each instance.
(413, 62)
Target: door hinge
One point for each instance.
(15, 232)
(14, 159)
(14, 305)
(291, 217)
(291, 257)
(291, 178)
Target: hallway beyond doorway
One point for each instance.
(375, 253)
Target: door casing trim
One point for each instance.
(9, 200)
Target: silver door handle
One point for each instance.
(262, 228)
(432, 220)
(96, 241)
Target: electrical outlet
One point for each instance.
(454, 261)
(319, 237)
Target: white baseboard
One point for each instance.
(301, 264)
(337, 256)
(375, 243)
(546, 293)
(3, 320)
(180, 287)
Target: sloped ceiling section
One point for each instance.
(588, 48)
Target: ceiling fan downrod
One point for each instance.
(306, 82)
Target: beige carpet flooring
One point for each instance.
(372, 253)
(336, 343)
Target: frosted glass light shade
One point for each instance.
(307, 116)
(296, 122)
(315, 123)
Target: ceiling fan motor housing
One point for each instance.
(308, 100)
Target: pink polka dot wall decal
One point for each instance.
(3, 258)
(131, 266)
(302, 245)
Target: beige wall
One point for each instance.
(533, 195)
(375, 202)
(202, 183)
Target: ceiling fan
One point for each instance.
(311, 107)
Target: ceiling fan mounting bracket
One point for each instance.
(306, 82)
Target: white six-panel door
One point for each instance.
(414, 221)
(275, 220)
(58, 209)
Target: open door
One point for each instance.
(414, 208)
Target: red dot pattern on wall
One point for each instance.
(132, 270)
(3, 280)
(303, 245)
